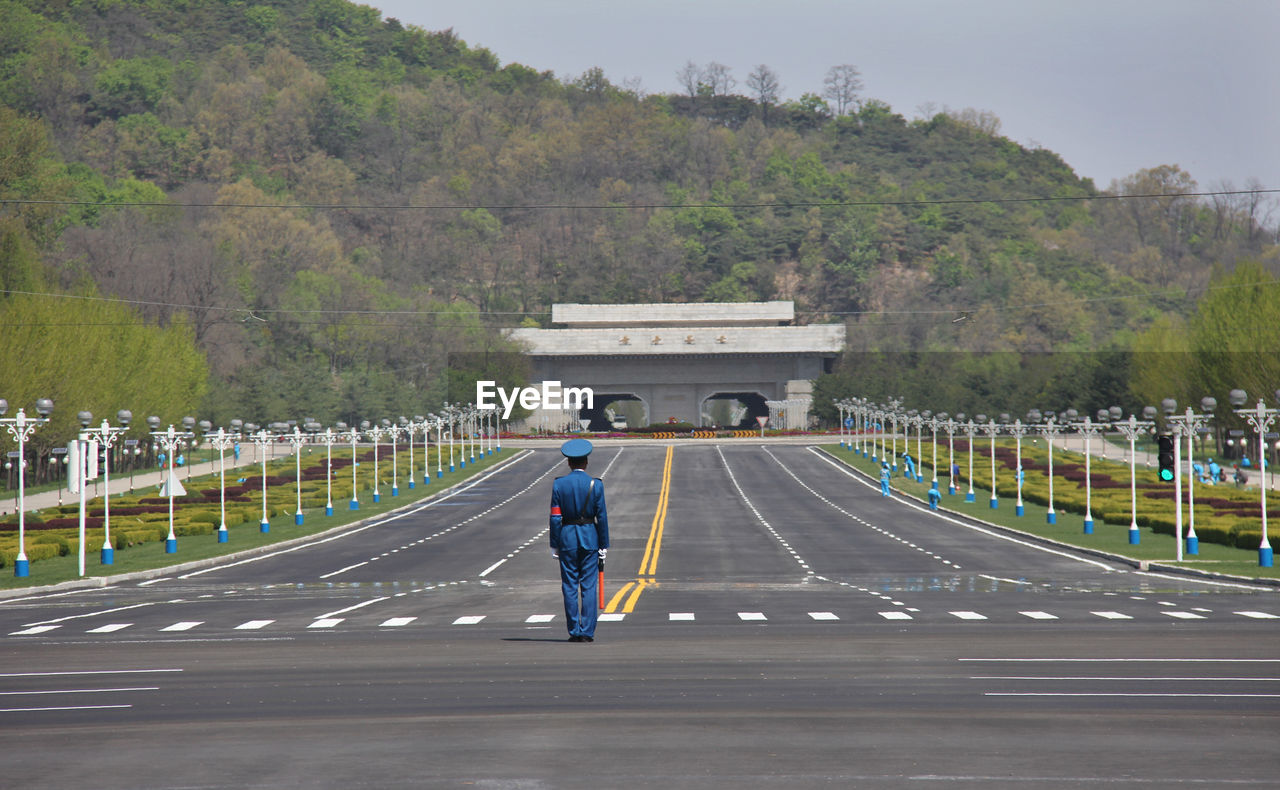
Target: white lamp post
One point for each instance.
(411, 426)
(20, 428)
(951, 453)
(894, 404)
(1089, 429)
(375, 431)
(170, 440)
(1261, 418)
(106, 437)
(353, 434)
(1131, 428)
(425, 424)
(329, 438)
(934, 422)
(1050, 430)
(394, 429)
(970, 496)
(438, 422)
(262, 440)
(449, 415)
(1188, 424)
(1019, 430)
(991, 429)
(913, 419)
(296, 440)
(223, 441)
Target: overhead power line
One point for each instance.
(245, 314)
(630, 206)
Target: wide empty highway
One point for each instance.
(771, 621)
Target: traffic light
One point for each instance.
(1166, 459)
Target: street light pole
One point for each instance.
(170, 440)
(969, 495)
(106, 436)
(20, 428)
(1089, 429)
(934, 422)
(354, 435)
(262, 440)
(296, 440)
(1050, 429)
(223, 441)
(375, 430)
(1261, 418)
(394, 429)
(951, 455)
(991, 429)
(1130, 429)
(1018, 430)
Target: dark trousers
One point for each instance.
(578, 571)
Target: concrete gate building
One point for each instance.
(675, 359)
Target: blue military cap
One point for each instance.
(576, 448)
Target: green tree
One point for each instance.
(87, 353)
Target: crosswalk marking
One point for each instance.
(35, 629)
(185, 625)
(254, 625)
(109, 628)
(396, 622)
(687, 617)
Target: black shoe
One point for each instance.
(586, 639)
(576, 638)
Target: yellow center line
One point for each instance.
(653, 547)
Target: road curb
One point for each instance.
(1141, 565)
(194, 565)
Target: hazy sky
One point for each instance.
(1113, 86)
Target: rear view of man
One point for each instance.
(579, 538)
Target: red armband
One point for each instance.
(555, 510)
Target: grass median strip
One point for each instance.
(245, 535)
(1108, 536)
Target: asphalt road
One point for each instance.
(772, 622)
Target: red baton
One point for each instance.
(600, 584)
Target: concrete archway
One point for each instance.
(626, 404)
(717, 409)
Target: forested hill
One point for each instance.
(345, 198)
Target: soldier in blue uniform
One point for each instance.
(579, 538)
(884, 478)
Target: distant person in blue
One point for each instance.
(884, 478)
(908, 466)
(1215, 471)
(935, 496)
(579, 539)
